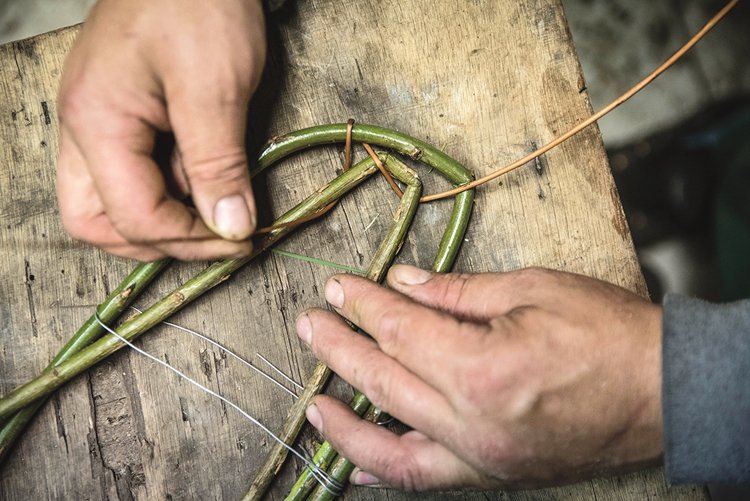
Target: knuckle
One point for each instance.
(229, 167)
(151, 220)
(321, 342)
(501, 373)
(127, 228)
(390, 327)
(230, 86)
(454, 290)
(533, 275)
(72, 104)
(475, 379)
(237, 95)
(402, 472)
(133, 226)
(498, 453)
(528, 320)
(74, 226)
(76, 220)
(475, 384)
(378, 385)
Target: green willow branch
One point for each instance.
(125, 293)
(72, 364)
(281, 146)
(277, 149)
(215, 274)
(381, 260)
(324, 456)
(443, 262)
(341, 468)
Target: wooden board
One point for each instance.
(485, 80)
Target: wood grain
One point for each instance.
(486, 81)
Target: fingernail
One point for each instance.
(304, 328)
(335, 293)
(232, 218)
(410, 275)
(313, 416)
(363, 478)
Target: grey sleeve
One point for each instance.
(706, 391)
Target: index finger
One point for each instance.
(430, 343)
(81, 210)
(133, 191)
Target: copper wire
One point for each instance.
(593, 118)
(383, 170)
(347, 165)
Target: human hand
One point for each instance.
(145, 66)
(520, 379)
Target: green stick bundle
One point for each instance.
(87, 347)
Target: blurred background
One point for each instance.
(679, 151)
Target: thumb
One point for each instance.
(211, 140)
(477, 297)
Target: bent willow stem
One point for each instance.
(83, 351)
(48, 381)
(413, 148)
(443, 262)
(382, 259)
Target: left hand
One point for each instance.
(144, 67)
(518, 379)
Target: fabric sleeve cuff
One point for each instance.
(706, 391)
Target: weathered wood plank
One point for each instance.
(487, 81)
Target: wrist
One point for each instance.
(647, 422)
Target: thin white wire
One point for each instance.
(230, 352)
(280, 372)
(329, 483)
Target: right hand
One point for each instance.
(521, 379)
(140, 67)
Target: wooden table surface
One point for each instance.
(487, 81)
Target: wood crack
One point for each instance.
(541, 167)
(290, 351)
(223, 404)
(18, 65)
(45, 113)
(117, 428)
(360, 256)
(30, 297)
(60, 422)
(95, 448)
